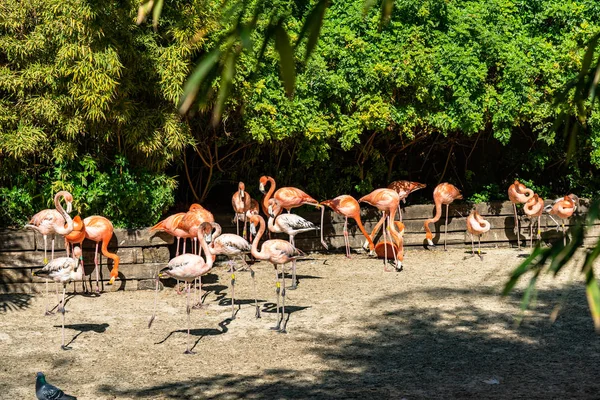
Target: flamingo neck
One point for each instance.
(254, 250)
(209, 257)
(61, 230)
(269, 194)
(436, 218)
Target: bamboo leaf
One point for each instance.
(312, 25)
(190, 89)
(226, 83)
(525, 266)
(367, 5)
(386, 11)
(593, 296)
(286, 59)
(143, 10)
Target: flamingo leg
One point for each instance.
(188, 311)
(479, 249)
(390, 222)
(516, 229)
(283, 321)
(446, 228)
(346, 238)
(374, 233)
(96, 263)
(277, 290)
(184, 240)
(232, 290)
(237, 224)
(155, 301)
(564, 233)
(322, 216)
(199, 304)
(62, 311)
(177, 251)
(385, 267)
(48, 312)
(252, 274)
(472, 245)
(53, 247)
(294, 284)
(539, 231)
(531, 234)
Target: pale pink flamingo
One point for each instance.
(277, 252)
(386, 200)
(232, 246)
(188, 267)
(288, 198)
(477, 226)
(97, 229)
(291, 225)
(564, 209)
(63, 270)
(348, 207)
(49, 222)
(444, 193)
(518, 194)
(534, 207)
(404, 188)
(240, 201)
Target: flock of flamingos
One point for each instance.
(199, 225)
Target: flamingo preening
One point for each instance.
(386, 200)
(63, 270)
(518, 193)
(348, 207)
(477, 226)
(188, 267)
(277, 252)
(169, 225)
(232, 246)
(404, 188)
(563, 209)
(534, 207)
(444, 193)
(288, 198)
(49, 222)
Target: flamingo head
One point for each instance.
(241, 188)
(273, 207)
(205, 230)
(196, 207)
(254, 220)
(263, 182)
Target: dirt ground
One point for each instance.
(438, 329)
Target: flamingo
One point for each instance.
(518, 193)
(395, 247)
(404, 188)
(169, 225)
(63, 270)
(386, 200)
(241, 203)
(563, 209)
(277, 252)
(476, 225)
(288, 198)
(192, 220)
(549, 207)
(97, 229)
(534, 208)
(188, 267)
(232, 246)
(49, 222)
(290, 224)
(444, 193)
(348, 207)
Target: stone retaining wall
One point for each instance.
(143, 252)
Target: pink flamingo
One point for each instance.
(232, 246)
(476, 225)
(518, 193)
(277, 252)
(288, 198)
(348, 207)
(240, 202)
(169, 225)
(49, 222)
(63, 270)
(444, 193)
(395, 247)
(404, 188)
(290, 224)
(386, 200)
(534, 208)
(188, 267)
(564, 209)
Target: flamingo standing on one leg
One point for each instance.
(348, 207)
(444, 193)
(233, 246)
(549, 207)
(49, 222)
(277, 252)
(404, 188)
(63, 270)
(290, 224)
(386, 200)
(240, 202)
(476, 225)
(534, 208)
(98, 229)
(188, 267)
(564, 209)
(288, 198)
(518, 193)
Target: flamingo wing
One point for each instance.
(294, 222)
(232, 244)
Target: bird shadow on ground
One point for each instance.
(14, 302)
(436, 343)
(201, 332)
(82, 328)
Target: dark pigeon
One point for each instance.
(46, 391)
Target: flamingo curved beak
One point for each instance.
(430, 243)
(69, 207)
(112, 280)
(261, 187)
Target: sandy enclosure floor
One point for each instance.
(438, 329)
